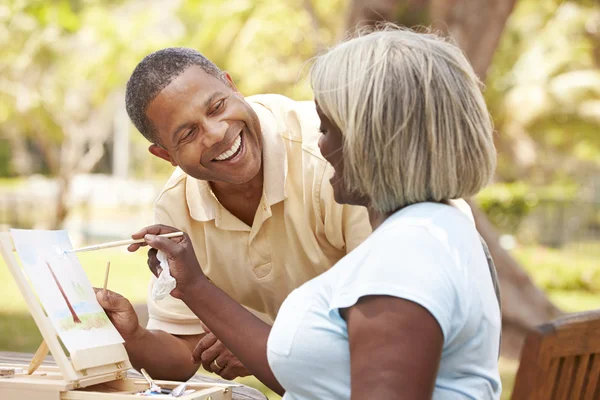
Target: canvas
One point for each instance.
(63, 289)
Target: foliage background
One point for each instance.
(70, 158)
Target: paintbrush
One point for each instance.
(119, 243)
(106, 275)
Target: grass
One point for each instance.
(129, 275)
(86, 322)
(572, 268)
(11, 183)
(508, 370)
(570, 276)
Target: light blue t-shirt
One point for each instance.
(428, 253)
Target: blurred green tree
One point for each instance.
(64, 65)
(61, 84)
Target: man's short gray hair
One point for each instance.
(155, 72)
(413, 118)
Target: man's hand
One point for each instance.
(153, 263)
(215, 357)
(183, 263)
(120, 312)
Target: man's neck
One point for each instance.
(241, 200)
(250, 189)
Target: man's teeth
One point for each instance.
(232, 150)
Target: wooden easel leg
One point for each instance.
(37, 359)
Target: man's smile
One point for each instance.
(232, 151)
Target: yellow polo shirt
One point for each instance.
(299, 231)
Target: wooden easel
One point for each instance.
(102, 371)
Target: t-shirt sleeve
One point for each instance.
(410, 264)
(170, 314)
(345, 226)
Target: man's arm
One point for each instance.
(163, 355)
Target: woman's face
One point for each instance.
(332, 149)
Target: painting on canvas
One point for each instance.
(64, 289)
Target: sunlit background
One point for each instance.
(70, 158)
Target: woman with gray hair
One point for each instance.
(412, 312)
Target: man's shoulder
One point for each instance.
(175, 186)
(297, 121)
(280, 105)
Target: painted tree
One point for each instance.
(64, 295)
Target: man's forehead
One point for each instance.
(193, 79)
(191, 88)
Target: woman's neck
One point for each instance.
(376, 218)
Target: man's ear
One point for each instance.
(160, 152)
(230, 80)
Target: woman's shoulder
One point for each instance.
(432, 223)
(431, 214)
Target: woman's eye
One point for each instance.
(322, 130)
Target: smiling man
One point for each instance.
(252, 191)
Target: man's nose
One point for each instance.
(214, 132)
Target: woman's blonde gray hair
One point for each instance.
(415, 125)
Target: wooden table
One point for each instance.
(239, 393)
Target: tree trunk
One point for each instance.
(476, 26)
(523, 304)
(62, 208)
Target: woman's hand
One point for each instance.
(121, 313)
(183, 263)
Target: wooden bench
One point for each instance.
(561, 360)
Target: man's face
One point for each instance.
(205, 127)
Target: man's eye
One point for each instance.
(188, 134)
(219, 106)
